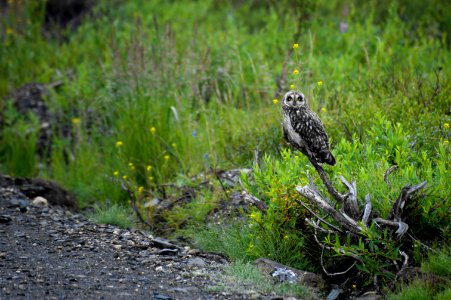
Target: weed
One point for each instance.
(113, 215)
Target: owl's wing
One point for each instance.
(311, 130)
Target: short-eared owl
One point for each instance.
(303, 129)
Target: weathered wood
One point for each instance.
(405, 194)
(308, 193)
(254, 201)
(367, 210)
(350, 205)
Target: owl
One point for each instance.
(303, 129)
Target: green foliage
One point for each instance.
(439, 263)
(417, 291)
(246, 275)
(230, 240)
(113, 215)
(281, 233)
(19, 139)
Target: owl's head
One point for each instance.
(294, 99)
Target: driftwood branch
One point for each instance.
(405, 194)
(308, 193)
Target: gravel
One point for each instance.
(53, 253)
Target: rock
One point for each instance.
(158, 296)
(4, 219)
(168, 251)
(309, 279)
(196, 262)
(284, 275)
(162, 243)
(34, 187)
(334, 293)
(40, 201)
(369, 296)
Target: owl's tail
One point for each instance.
(327, 157)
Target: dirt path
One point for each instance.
(51, 253)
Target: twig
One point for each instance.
(314, 225)
(255, 201)
(330, 188)
(404, 264)
(405, 194)
(388, 172)
(350, 205)
(319, 218)
(133, 204)
(336, 273)
(402, 227)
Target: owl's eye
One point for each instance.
(289, 98)
(300, 98)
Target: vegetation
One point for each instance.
(158, 96)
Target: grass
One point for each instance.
(162, 95)
(244, 277)
(113, 215)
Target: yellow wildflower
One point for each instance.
(153, 130)
(149, 167)
(131, 166)
(286, 237)
(119, 144)
(166, 157)
(354, 286)
(445, 142)
(323, 109)
(140, 189)
(446, 125)
(150, 178)
(295, 46)
(75, 121)
(9, 31)
(174, 145)
(320, 83)
(292, 87)
(124, 177)
(116, 173)
(296, 72)
(275, 101)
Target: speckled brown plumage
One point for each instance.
(304, 130)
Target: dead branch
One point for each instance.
(402, 227)
(316, 226)
(405, 194)
(388, 172)
(345, 221)
(330, 188)
(254, 201)
(336, 273)
(404, 264)
(367, 210)
(318, 217)
(350, 206)
(132, 197)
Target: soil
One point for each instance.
(54, 253)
